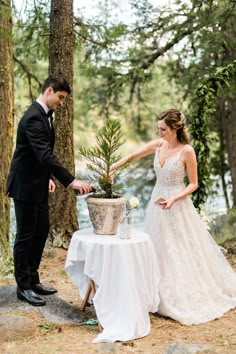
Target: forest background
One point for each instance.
(128, 60)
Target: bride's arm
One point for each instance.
(145, 150)
(190, 161)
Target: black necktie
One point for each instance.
(50, 113)
(50, 117)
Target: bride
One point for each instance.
(197, 283)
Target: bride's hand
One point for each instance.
(167, 204)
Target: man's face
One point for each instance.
(55, 99)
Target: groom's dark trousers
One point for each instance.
(32, 166)
(32, 231)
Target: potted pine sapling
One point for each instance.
(106, 205)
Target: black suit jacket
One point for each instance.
(33, 161)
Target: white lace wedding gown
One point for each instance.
(197, 283)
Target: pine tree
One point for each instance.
(103, 156)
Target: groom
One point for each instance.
(29, 182)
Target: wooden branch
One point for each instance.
(88, 39)
(6, 3)
(29, 75)
(26, 70)
(150, 59)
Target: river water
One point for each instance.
(139, 182)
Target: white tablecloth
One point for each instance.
(126, 275)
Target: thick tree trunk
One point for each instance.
(6, 113)
(63, 213)
(230, 130)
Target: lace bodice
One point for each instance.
(171, 174)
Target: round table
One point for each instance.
(126, 276)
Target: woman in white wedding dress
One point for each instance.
(197, 283)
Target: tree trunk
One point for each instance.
(230, 103)
(6, 114)
(222, 167)
(230, 132)
(63, 213)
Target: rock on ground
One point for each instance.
(182, 348)
(14, 327)
(56, 310)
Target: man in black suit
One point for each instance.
(29, 182)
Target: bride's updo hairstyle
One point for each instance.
(175, 120)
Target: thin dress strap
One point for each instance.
(181, 150)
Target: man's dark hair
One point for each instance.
(57, 82)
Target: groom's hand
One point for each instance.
(51, 186)
(81, 186)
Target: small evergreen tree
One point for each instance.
(102, 157)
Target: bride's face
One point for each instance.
(164, 131)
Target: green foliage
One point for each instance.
(223, 227)
(119, 68)
(121, 60)
(30, 44)
(31, 32)
(210, 47)
(206, 94)
(48, 327)
(232, 217)
(103, 156)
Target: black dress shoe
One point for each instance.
(43, 290)
(29, 296)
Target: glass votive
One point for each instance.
(125, 228)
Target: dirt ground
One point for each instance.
(53, 338)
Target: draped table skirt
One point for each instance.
(126, 276)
